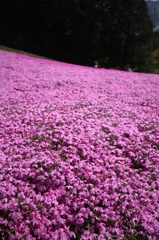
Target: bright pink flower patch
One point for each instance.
(79, 151)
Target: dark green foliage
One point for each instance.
(117, 33)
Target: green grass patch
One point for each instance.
(8, 49)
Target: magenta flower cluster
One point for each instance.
(79, 151)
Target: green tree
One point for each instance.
(156, 61)
(129, 34)
(117, 33)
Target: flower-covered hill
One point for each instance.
(79, 151)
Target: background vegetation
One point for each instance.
(117, 33)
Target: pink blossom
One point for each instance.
(78, 151)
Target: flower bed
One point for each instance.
(79, 151)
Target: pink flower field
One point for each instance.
(79, 152)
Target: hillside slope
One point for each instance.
(79, 151)
(153, 9)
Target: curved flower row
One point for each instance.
(79, 151)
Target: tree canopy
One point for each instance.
(117, 33)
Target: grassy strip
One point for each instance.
(5, 48)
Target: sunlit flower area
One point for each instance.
(79, 151)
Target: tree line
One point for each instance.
(116, 33)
